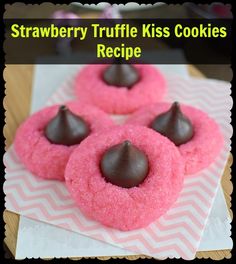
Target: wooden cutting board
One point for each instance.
(17, 105)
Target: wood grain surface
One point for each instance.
(18, 86)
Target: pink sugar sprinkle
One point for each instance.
(202, 149)
(118, 207)
(43, 158)
(90, 88)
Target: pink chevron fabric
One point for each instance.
(177, 233)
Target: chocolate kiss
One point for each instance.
(121, 75)
(174, 125)
(124, 165)
(66, 128)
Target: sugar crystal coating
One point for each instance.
(91, 88)
(125, 208)
(40, 156)
(206, 143)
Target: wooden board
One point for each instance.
(17, 105)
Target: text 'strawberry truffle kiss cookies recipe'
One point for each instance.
(197, 136)
(45, 141)
(120, 88)
(125, 177)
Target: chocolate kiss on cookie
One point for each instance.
(66, 128)
(121, 75)
(174, 125)
(124, 165)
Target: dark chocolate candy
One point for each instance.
(124, 165)
(66, 128)
(121, 75)
(174, 125)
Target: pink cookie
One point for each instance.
(43, 158)
(206, 143)
(90, 88)
(125, 208)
